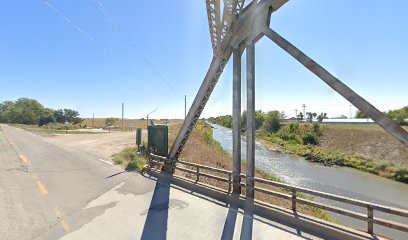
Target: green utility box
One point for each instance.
(158, 138)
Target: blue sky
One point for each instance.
(148, 54)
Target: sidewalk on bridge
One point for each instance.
(168, 211)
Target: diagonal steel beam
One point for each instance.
(387, 124)
(218, 63)
(214, 72)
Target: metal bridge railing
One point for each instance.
(293, 190)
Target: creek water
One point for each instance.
(343, 181)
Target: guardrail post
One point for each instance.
(198, 174)
(370, 224)
(229, 182)
(294, 200)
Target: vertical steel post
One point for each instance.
(370, 224)
(250, 131)
(236, 122)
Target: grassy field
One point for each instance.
(134, 123)
(367, 142)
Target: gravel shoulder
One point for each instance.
(101, 145)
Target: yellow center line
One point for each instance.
(23, 159)
(41, 187)
(61, 220)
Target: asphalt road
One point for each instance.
(51, 192)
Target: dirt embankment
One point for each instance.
(368, 142)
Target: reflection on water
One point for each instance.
(337, 180)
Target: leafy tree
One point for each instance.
(259, 119)
(45, 120)
(300, 116)
(360, 114)
(399, 115)
(72, 116)
(67, 115)
(110, 121)
(225, 121)
(321, 117)
(310, 116)
(23, 110)
(272, 121)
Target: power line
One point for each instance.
(58, 12)
(118, 28)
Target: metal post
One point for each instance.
(294, 200)
(370, 224)
(250, 161)
(304, 111)
(236, 121)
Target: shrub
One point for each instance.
(272, 122)
(310, 138)
(401, 175)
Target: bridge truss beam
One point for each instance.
(248, 25)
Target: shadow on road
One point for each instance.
(230, 221)
(247, 223)
(156, 222)
(115, 174)
(229, 225)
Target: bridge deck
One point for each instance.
(168, 211)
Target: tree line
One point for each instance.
(30, 111)
(270, 124)
(271, 121)
(398, 115)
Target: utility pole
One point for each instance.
(93, 120)
(296, 114)
(123, 109)
(147, 118)
(185, 106)
(304, 110)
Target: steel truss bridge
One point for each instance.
(235, 28)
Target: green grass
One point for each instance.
(130, 159)
(208, 137)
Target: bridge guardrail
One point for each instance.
(369, 217)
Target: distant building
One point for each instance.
(292, 119)
(368, 121)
